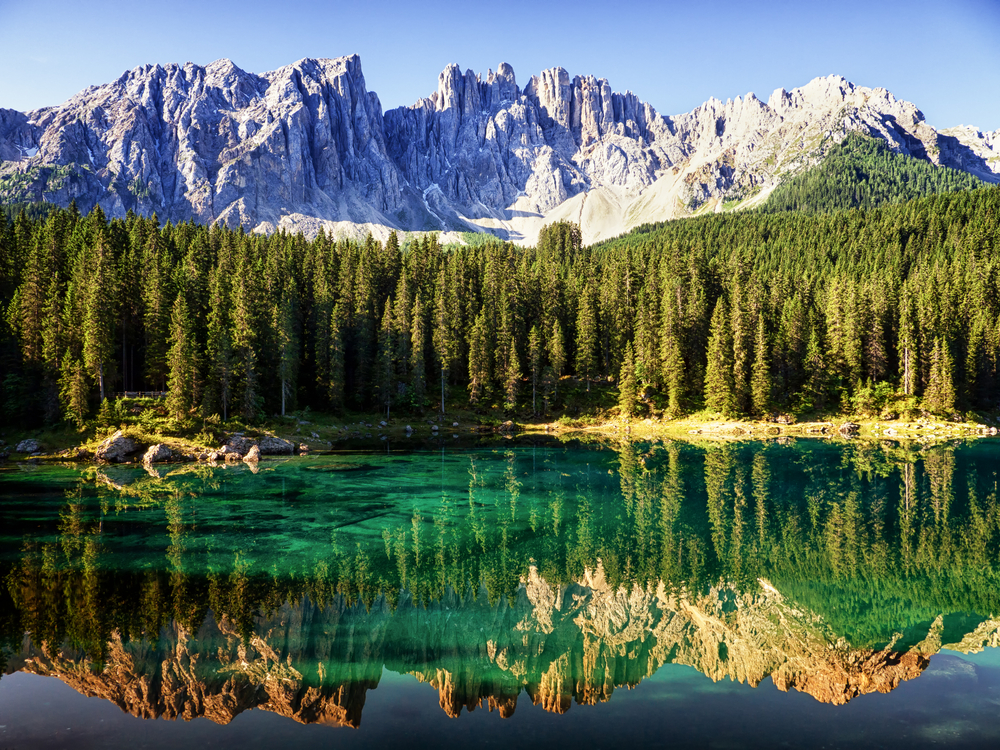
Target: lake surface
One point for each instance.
(728, 595)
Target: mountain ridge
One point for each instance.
(307, 146)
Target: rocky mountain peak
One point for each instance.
(308, 146)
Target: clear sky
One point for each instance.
(944, 56)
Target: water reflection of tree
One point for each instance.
(837, 528)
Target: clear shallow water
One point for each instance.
(740, 595)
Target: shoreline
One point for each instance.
(320, 437)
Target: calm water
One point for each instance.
(667, 594)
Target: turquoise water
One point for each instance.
(726, 595)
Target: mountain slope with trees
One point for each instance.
(745, 314)
(863, 172)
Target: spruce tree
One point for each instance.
(535, 357)
(760, 377)
(221, 361)
(444, 339)
(719, 396)
(182, 362)
(98, 320)
(479, 372)
(586, 336)
(336, 385)
(385, 372)
(288, 346)
(627, 384)
(557, 353)
(939, 396)
(73, 390)
(418, 378)
(512, 381)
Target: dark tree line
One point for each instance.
(744, 314)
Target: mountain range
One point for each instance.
(307, 147)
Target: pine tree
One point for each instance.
(512, 381)
(816, 390)
(182, 362)
(98, 320)
(535, 356)
(586, 336)
(336, 385)
(627, 384)
(444, 339)
(479, 373)
(73, 390)
(288, 346)
(671, 356)
(557, 353)
(719, 395)
(418, 333)
(385, 375)
(220, 346)
(760, 377)
(940, 394)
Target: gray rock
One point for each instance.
(155, 453)
(849, 429)
(275, 446)
(238, 444)
(307, 147)
(116, 448)
(253, 455)
(28, 446)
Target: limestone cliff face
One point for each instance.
(216, 143)
(307, 146)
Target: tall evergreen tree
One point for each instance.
(557, 353)
(940, 394)
(221, 361)
(479, 373)
(336, 384)
(627, 384)
(182, 362)
(418, 333)
(535, 357)
(512, 381)
(99, 321)
(288, 346)
(760, 378)
(586, 336)
(73, 390)
(719, 394)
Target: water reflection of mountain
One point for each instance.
(576, 642)
(881, 555)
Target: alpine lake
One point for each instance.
(514, 592)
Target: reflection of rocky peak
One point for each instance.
(214, 674)
(559, 644)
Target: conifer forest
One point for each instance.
(746, 314)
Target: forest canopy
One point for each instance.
(744, 314)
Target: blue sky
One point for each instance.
(943, 56)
